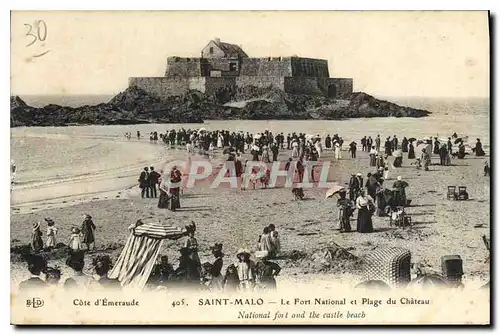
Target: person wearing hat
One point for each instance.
(75, 243)
(399, 186)
(51, 234)
(365, 206)
(78, 280)
(192, 244)
(411, 150)
(102, 265)
(36, 238)
(36, 265)
(87, 230)
(345, 211)
(175, 177)
(161, 272)
(388, 146)
(245, 269)
(372, 184)
(52, 275)
(479, 148)
(266, 271)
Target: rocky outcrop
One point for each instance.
(135, 106)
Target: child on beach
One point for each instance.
(51, 234)
(74, 240)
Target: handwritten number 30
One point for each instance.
(40, 28)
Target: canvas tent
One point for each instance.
(139, 255)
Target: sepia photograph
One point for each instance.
(250, 167)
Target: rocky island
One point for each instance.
(135, 106)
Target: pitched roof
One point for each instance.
(231, 50)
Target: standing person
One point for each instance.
(231, 282)
(394, 143)
(388, 146)
(479, 148)
(266, 271)
(217, 279)
(399, 186)
(352, 149)
(138, 135)
(450, 146)
(163, 199)
(51, 234)
(338, 151)
(436, 146)
(365, 206)
(328, 142)
(411, 151)
(372, 184)
(75, 242)
(443, 153)
(404, 144)
(36, 265)
(353, 187)
(363, 143)
(377, 143)
(373, 157)
(144, 183)
(175, 177)
(275, 241)
(275, 151)
(426, 159)
(369, 143)
(265, 155)
(36, 238)
(246, 270)
(153, 178)
(87, 229)
(345, 212)
(192, 245)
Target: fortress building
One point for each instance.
(222, 64)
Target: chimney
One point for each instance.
(217, 40)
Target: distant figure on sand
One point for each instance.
(36, 238)
(88, 228)
(426, 159)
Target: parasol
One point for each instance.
(397, 153)
(202, 129)
(334, 190)
(309, 136)
(458, 140)
(155, 229)
(412, 139)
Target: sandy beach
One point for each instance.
(236, 218)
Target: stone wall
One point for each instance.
(308, 67)
(264, 81)
(212, 85)
(302, 85)
(183, 67)
(165, 86)
(343, 87)
(272, 67)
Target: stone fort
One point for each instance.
(223, 64)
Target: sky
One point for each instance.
(428, 54)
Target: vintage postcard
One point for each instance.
(233, 168)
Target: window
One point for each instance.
(232, 67)
(211, 50)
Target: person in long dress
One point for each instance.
(275, 241)
(175, 177)
(51, 234)
(219, 141)
(163, 199)
(87, 229)
(192, 244)
(337, 151)
(246, 270)
(36, 238)
(265, 241)
(400, 186)
(411, 151)
(75, 242)
(365, 205)
(373, 156)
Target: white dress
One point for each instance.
(219, 142)
(51, 236)
(337, 152)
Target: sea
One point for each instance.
(93, 159)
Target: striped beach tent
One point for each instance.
(139, 255)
